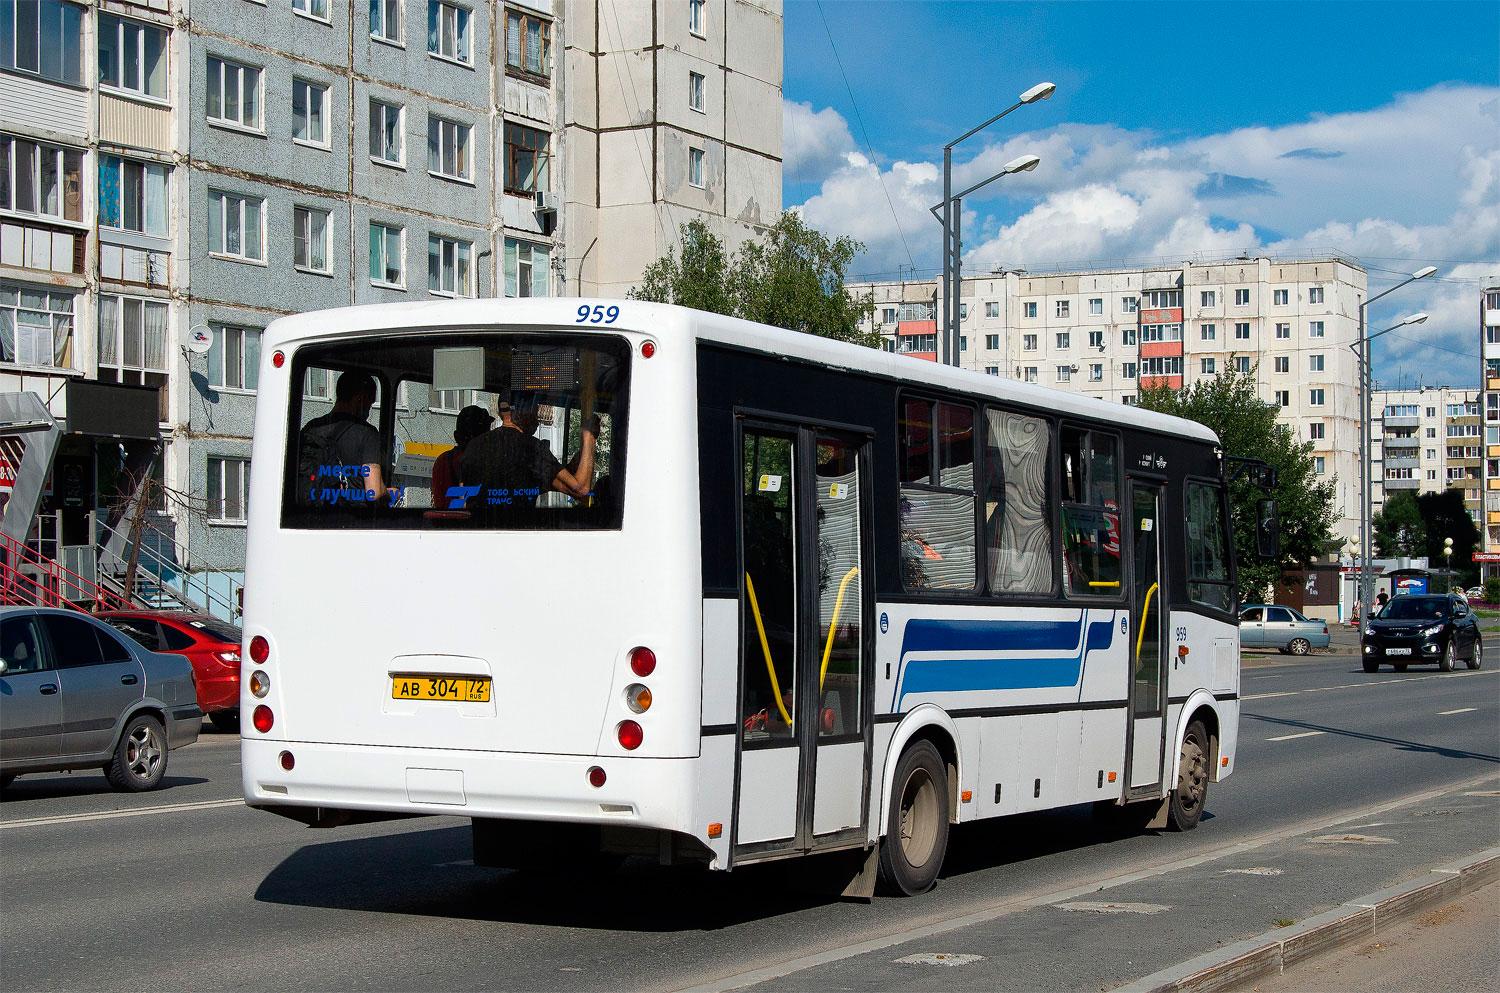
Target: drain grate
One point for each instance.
(938, 958)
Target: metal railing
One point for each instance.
(29, 577)
(159, 578)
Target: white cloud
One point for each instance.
(813, 144)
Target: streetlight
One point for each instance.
(1363, 352)
(1448, 564)
(1041, 91)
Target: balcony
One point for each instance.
(1401, 484)
(1393, 461)
(1391, 421)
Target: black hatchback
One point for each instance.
(1423, 630)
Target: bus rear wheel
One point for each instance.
(916, 831)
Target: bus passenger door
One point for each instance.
(1148, 688)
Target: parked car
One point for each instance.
(1422, 630)
(212, 645)
(77, 695)
(1282, 628)
(1474, 592)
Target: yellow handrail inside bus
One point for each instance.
(1145, 609)
(833, 624)
(1097, 582)
(765, 647)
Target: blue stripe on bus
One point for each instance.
(940, 675)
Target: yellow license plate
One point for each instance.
(461, 689)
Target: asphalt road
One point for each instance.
(185, 888)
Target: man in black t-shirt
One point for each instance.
(342, 449)
(514, 468)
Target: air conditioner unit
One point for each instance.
(546, 201)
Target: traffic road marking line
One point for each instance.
(1301, 734)
(1403, 680)
(1460, 710)
(105, 815)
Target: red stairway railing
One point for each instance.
(29, 577)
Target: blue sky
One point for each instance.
(1370, 128)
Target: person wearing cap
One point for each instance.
(511, 459)
(472, 422)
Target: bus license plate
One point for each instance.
(462, 689)
(1398, 651)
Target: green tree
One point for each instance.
(1400, 527)
(792, 278)
(1446, 516)
(1230, 406)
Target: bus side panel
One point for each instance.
(1102, 751)
(721, 661)
(715, 801)
(999, 766)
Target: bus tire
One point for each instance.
(1186, 805)
(916, 830)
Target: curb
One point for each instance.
(1271, 953)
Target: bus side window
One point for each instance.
(1017, 504)
(938, 543)
(1090, 513)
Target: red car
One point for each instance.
(211, 645)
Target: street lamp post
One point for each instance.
(1041, 91)
(1363, 354)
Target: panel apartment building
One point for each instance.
(1108, 332)
(1489, 403)
(169, 169)
(1426, 440)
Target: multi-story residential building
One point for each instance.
(1426, 440)
(173, 173)
(1489, 403)
(1107, 333)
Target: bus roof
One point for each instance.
(667, 322)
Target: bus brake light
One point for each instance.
(596, 777)
(642, 661)
(263, 718)
(630, 735)
(260, 650)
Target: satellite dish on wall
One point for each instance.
(200, 338)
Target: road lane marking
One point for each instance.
(105, 815)
(1267, 696)
(1302, 734)
(1460, 710)
(1370, 682)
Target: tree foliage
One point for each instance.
(1230, 406)
(1415, 525)
(1399, 528)
(792, 278)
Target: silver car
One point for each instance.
(74, 694)
(1282, 628)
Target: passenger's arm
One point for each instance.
(376, 481)
(566, 482)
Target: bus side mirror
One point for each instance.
(1267, 530)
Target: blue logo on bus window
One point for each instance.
(885, 623)
(458, 495)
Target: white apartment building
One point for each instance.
(1489, 403)
(1426, 440)
(1106, 332)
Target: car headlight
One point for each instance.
(1370, 630)
(1431, 630)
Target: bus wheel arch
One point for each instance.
(929, 723)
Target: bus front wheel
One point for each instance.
(916, 830)
(1186, 805)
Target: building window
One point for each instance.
(1096, 306)
(310, 230)
(1314, 397)
(1063, 307)
(1162, 365)
(1064, 373)
(1207, 332)
(1242, 363)
(40, 179)
(1129, 304)
(44, 38)
(448, 269)
(1163, 299)
(386, 243)
(447, 31)
(1029, 374)
(1242, 331)
(1241, 298)
(992, 370)
(1096, 372)
(1028, 342)
(1315, 294)
(1127, 370)
(992, 341)
(1492, 299)
(309, 103)
(236, 226)
(1096, 340)
(132, 56)
(1128, 336)
(526, 269)
(1406, 474)
(234, 358)
(228, 482)
(447, 148)
(1284, 398)
(695, 167)
(233, 93)
(385, 20)
(992, 309)
(386, 136)
(36, 326)
(1432, 432)
(1206, 366)
(1320, 465)
(1064, 339)
(312, 8)
(1282, 363)
(528, 43)
(1161, 332)
(695, 91)
(133, 195)
(963, 343)
(888, 315)
(1283, 330)
(526, 160)
(1028, 309)
(1278, 298)
(1315, 329)
(695, 17)
(1315, 363)
(1207, 298)
(963, 312)
(132, 339)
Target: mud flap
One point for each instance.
(1158, 820)
(862, 886)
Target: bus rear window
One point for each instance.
(458, 430)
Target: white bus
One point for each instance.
(809, 597)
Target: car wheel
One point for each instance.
(7, 779)
(916, 834)
(1371, 665)
(1299, 646)
(1476, 656)
(227, 721)
(1445, 664)
(140, 759)
(1186, 805)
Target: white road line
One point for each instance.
(1390, 680)
(1304, 734)
(1460, 710)
(105, 815)
(1267, 696)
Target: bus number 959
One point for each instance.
(597, 315)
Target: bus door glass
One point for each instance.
(1148, 612)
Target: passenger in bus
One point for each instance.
(342, 447)
(509, 460)
(472, 422)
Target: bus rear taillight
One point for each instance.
(596, 777)
(263, 718)
(260, 684)
(637, 698)
(260, 650)
(642, 661)
(288, 761)
(630, 735)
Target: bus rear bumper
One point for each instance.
(652, 793)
